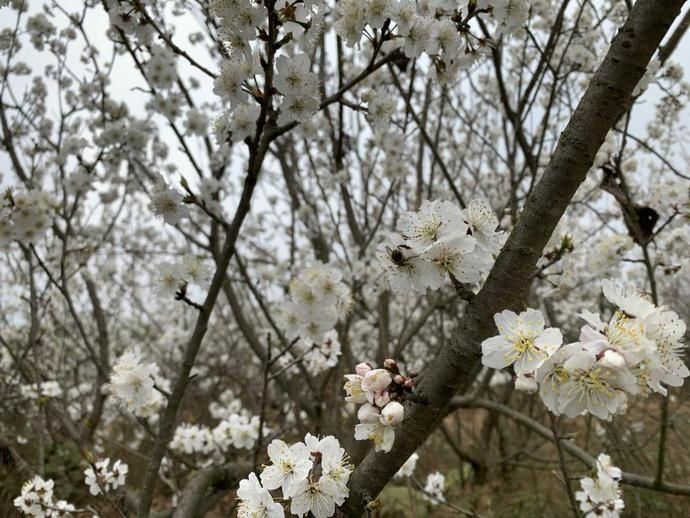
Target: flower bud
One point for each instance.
(526, 383)
(392, 414)
(408, 383)
(389, 363)
(368, 413)
(398, 379)
(412, 374)
(612, 360)
(362, 368)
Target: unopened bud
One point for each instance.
(392, 414)
(526, 383)
(398, 379)
(612, 360)
(362, 368)
(390, 364)
(382, 398)
(408, 383)
(368, 413)
(412, 374)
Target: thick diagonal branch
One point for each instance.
(607, 96)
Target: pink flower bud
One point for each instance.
(392, 414)
(389, 363)
(398, 379)
(409, 383)
(382, 398)
(362, 368)
(412, 374)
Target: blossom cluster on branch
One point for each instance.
(600, 495)
(24, 216)
(439, 242)
(102, 478)
(37, 499)
(638, 351)
(319, 298)
(312, 475)
(381, 392)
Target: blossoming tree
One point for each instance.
(321, 258)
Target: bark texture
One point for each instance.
(606, 98)
(207, 484)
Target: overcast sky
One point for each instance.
(126, 78)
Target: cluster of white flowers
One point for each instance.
(24, 216)
(241, 22)
(299, 86)
(225, 405)
(256, 501)
(105, 478)
(173, 277)
(161, 69)
(37, 499)
(192, 439)
(381, 103)
(438, 242)
(240, 431)
(638, 350)
(434, 487)
(236, 430)
(438, 29)
(601, 496)
(125, 16)
(320, 355)
(318, 299)
(132, 384)
(43, 389)
(313, 474)
(380, 392)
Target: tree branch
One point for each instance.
(606, 98)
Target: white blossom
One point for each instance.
(522, 341)
(105, 478)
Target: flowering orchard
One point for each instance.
(311, 258)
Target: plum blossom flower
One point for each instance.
(36, 499)
(523, 341)
(243, 121)
(256, 501)
(592, 387)
(168, 203)
(434, 488)
(601, 495)
(408, 467)
(105, 478)
(483, 223)
(436, 244)
(404, 267)
(373, 429)
(290, 465)
(132, 382)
